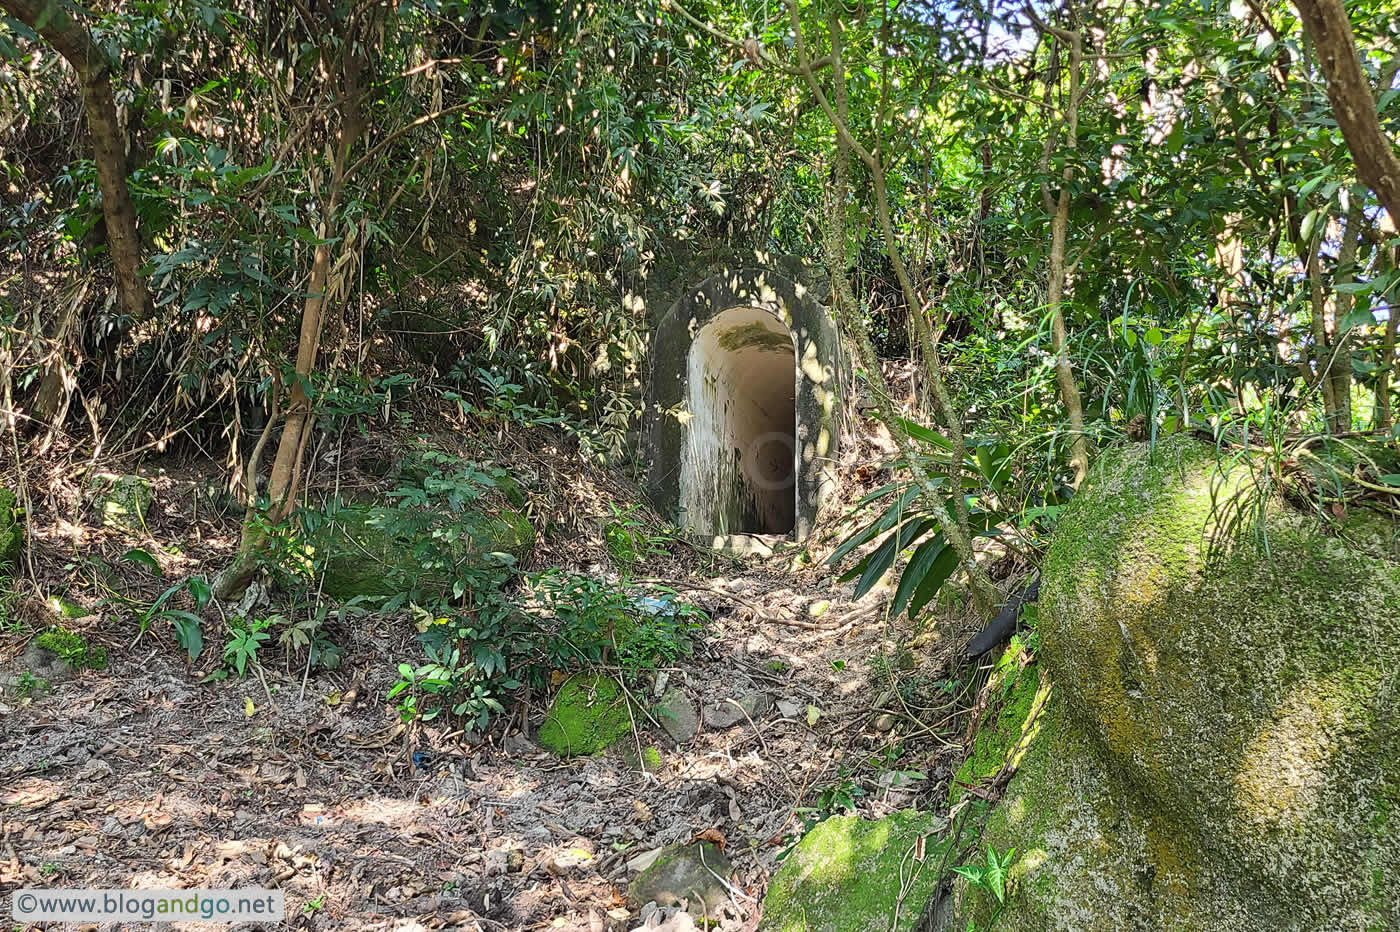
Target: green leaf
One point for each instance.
(199, 588)
(1153, 336)
(996, 873)
(943, 567)
(139, 556)
(884, 556)
(918, 567)
(187, 632)
(919, 432)
(1392, 479)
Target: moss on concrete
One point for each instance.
(1009, 724)
(11, 529)
(589, 714)
(365, 559)
(123, 501)
(847, 875)
(1234, 665)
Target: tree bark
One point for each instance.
(61, 25)
(1353, 105)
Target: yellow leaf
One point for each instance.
(813, 713)
(333, 697)
(248, 707)
(557, 677)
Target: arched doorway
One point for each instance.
(742, 418)
(738, 468)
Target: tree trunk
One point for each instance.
(61, 25)
(1055, 286)
(1339, 361)
(296, 428)
(1353, 104)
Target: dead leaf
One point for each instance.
(813, 713)
(248, 707)
(641, 862)
(713, 835)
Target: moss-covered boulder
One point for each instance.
(11, 530)
(853, 875)
(370, 551)
(1223, 748)
(588, 714)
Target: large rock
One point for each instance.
(1222, 749)
(370, 552)
(852, 875)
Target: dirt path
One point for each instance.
(140, 775)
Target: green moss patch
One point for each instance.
(589, 714)
(847, 875)
(1008, 726)
(11, 529)
(73, 649)
(123, 501)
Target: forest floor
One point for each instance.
(142, 775)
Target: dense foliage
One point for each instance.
(1081, 222)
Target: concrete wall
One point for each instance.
(742, 418)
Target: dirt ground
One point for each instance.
(140, 775)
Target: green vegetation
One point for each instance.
(73, 649)
(588, 715)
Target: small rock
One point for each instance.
(884, 722)
(791, 708)
(517, 745)
(697, 873)
(676, 713)
(723, 715)
(495, 863)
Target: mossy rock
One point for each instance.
(366, 559)
(72, 649)
(1010, 723)
(847, 873)
(1093, 853)
(11, 529)
(1225, 672)
(588, 715)
(123, 501)
(693, 873)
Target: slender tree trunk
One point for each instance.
(955, 524)
(1339, 361)
(1353, 101)
(61, 24)
(1318, 298)
(1056, 282)
(297, 424)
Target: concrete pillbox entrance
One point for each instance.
(741, 424)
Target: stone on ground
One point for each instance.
(588, 715)
(725, 714)
(1220, 748)
(694, 873)
(122, 501)
(853, 875)
(676, 713)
